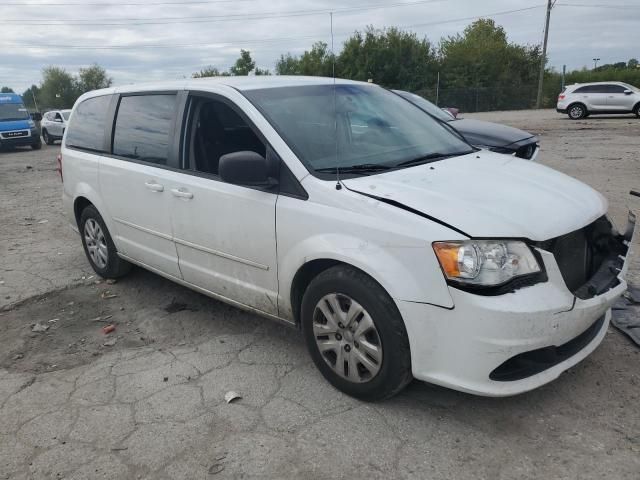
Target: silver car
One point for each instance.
(583, 99)
(53, 125)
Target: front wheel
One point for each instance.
(36, 146)
(99, 247)
(355, 334)
(577, 112)
(636, 110)
(47, 138)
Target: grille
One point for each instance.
(22, 133)
(589, 258)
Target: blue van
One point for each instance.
(17, 128)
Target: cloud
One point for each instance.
(576, 36)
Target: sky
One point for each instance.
(152, 40)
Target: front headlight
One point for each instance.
(485, 263)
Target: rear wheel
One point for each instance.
(99, 247)
(577, 111)
(355, 334)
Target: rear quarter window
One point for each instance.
(86, 131)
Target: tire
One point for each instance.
(636, 110)
(47, 138)
(95, 237)
(577, 111)
(37, 146)
(374, 347)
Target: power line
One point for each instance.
(118, 4)
(594, 5)
(261, 40)
(216, 18)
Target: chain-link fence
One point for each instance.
(483, 99)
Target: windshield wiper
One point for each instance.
(432, 157)
(362, 168)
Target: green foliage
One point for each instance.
(391, 57)
(210, 72)
(28, 97)
(92, 78)
(58, 88)
(243, 65)
(316, 62)
(6, 90)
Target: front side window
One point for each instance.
(66, 114)
(143, 127)
(87, 129)
(615, 89)
(362, 127)
(216, 129)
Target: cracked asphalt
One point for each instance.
(147, 400)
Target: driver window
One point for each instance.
(58, 117)
(216, 130)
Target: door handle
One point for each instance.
(153, 186)
(181, 193)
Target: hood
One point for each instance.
(486, 194)
(491, 134)
(14, 125)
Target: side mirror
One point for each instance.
(627, 92)
(245, 168)
(36, 116)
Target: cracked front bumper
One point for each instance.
(460, 348)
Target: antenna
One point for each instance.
(335, 106)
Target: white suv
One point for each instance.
(584, 99)
(53, 125)
(344, 210)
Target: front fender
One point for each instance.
(407, 272)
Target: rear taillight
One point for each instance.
(59, 167)
(560, 97)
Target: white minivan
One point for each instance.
(340, 208)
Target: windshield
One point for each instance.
(425, 105)
(65, 114)
(363, 125)
(13, 111)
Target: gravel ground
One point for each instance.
(146, 401)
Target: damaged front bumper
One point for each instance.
(512, 343)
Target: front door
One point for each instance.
(617, 100)
(225, 234)
(136, 181)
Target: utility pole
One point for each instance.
(543, 61)
(595, 63)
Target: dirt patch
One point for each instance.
(137, 307)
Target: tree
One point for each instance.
(243, 65)
(58, 88)
(261, 72)
(318, 62)
(93, 78)
(28, 97)
(632, 63)
(391, 57)
(209, 72)
(6, 90)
